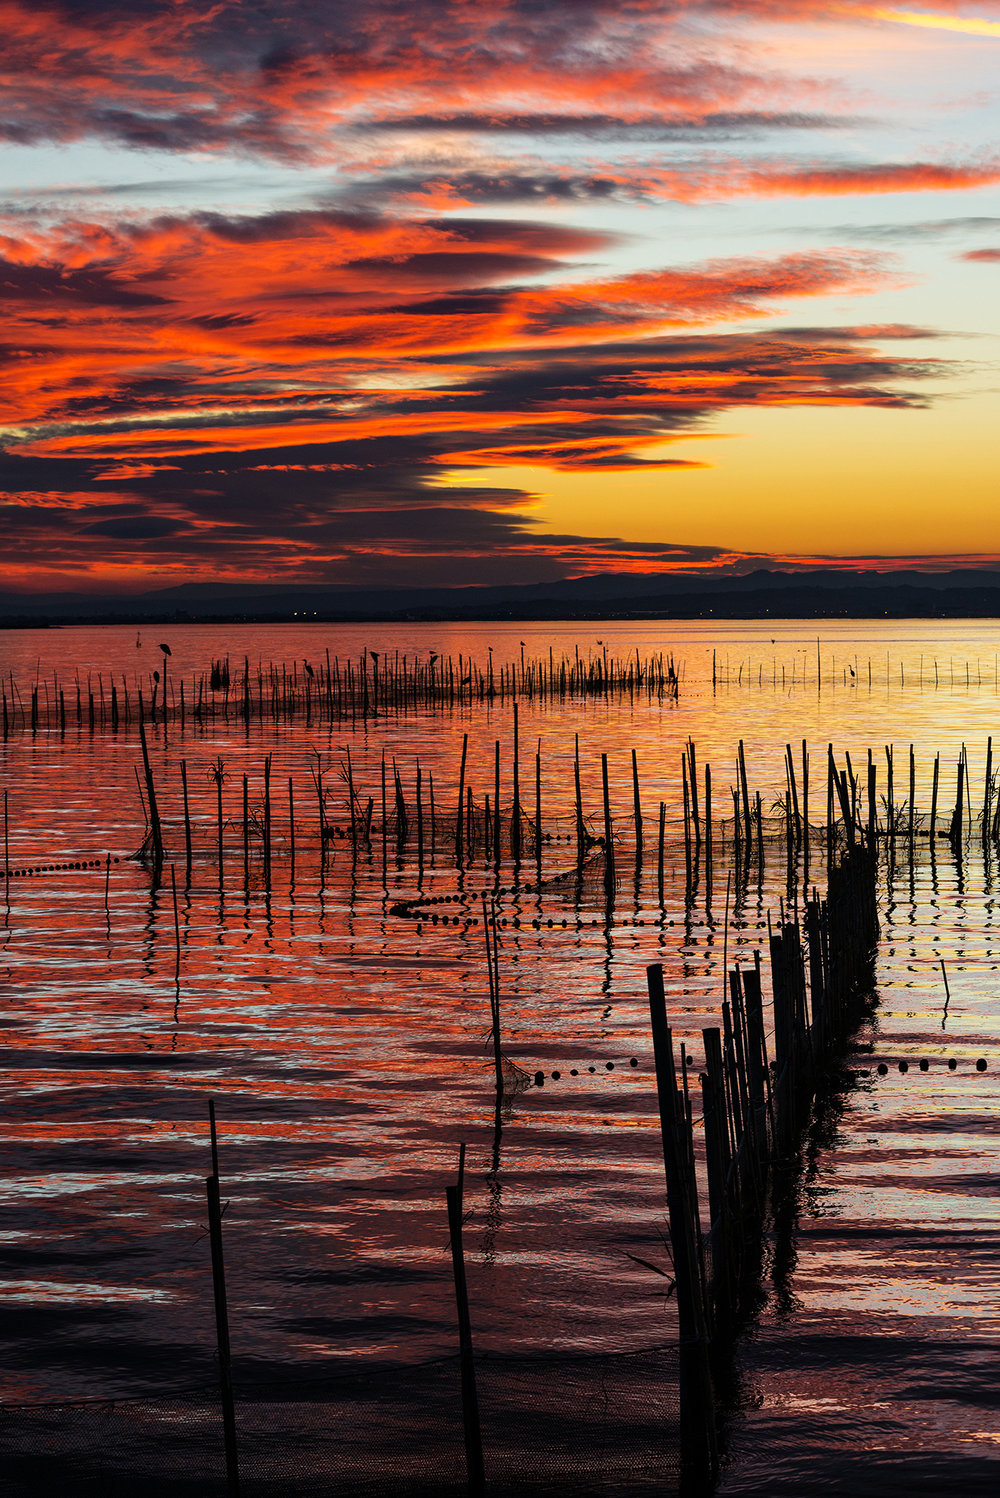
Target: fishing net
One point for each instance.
(584, 885)
(588, 1425)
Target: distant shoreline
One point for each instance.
(819, 593)
(832, 603)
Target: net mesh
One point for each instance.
(588, 1426)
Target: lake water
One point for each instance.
(342, 1033)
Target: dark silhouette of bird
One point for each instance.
(309, 670)
(166, 649)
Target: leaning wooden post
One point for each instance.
(538, 812)
(350, 793)
(291, 828)
(154, 815)
(955, 829)
(659, 852)
(385, 826)
(177, 929)
(222, 1316)
(493, 972)
(934, 797)
(988, 788)
(693, 781)
(515, 815)
(246, 833)
(698, 1434)
(187, 820)
(470, 1400)
(267, 821)
(687, 824)
(741, 763)
(218, 775)
(912, 799)
(609, 852)
(581, 831)
(460, 813)
(637, 807)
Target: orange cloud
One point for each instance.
(209, 391)
(230, 334)
(199, 387)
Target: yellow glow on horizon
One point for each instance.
(970, 25)
(819, 481)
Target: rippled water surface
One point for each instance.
(343, 1034)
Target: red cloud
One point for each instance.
(213, 331)
(836, 181)
(274, 79)
(180, 389)
(171, 384)
(281, 77)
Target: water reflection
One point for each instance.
(344, 1040)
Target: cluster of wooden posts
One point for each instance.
(856, 808)
(808, 669)
(755, 1104)
(332, 691)
(406, 813)
(383, 683)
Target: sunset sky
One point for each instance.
(461, 291)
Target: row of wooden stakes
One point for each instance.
(754, 1107)
(332, 691)
(510, 821)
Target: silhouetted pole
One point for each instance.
(699, 1452)
(470, 1400)
(222, 1316)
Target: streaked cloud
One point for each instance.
(422, 244)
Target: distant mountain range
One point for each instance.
(830, 593)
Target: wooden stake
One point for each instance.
(470, 1402)
(609, 852)
(154, 815)
(246, 834)
(515, 815)
(659, 852)
(460, 814)
(934, 794)
(637, 807)
(222, 1316)
(187, 819)
(177, 928)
